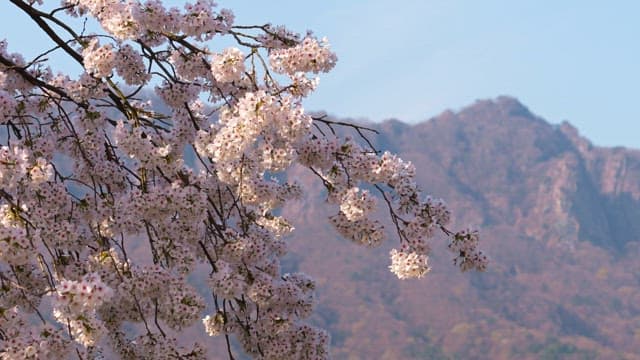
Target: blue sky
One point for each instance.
(566, 60)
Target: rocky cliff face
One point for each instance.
(559, 216)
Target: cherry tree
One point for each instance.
(91, 169)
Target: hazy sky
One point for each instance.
(566, 60)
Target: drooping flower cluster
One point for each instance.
(113, 198)
(408, 265)
(465, 245)
(356, 204)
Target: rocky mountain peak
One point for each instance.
(512, 167)
(505, 105)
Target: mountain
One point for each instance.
(559, 217)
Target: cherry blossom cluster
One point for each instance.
(408, 265)
(190, 66)
(75, 304)
(99, 61)
(130, 66)
(356, 204)
(228, 66)
(203, 22)
(80, 296)
(24, 341)
(310, 55)
(15, 248)
(277, 37)
(465, 245)
(7, 106)
(115, 198)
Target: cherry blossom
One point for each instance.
(166, 155)
(228, 66)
